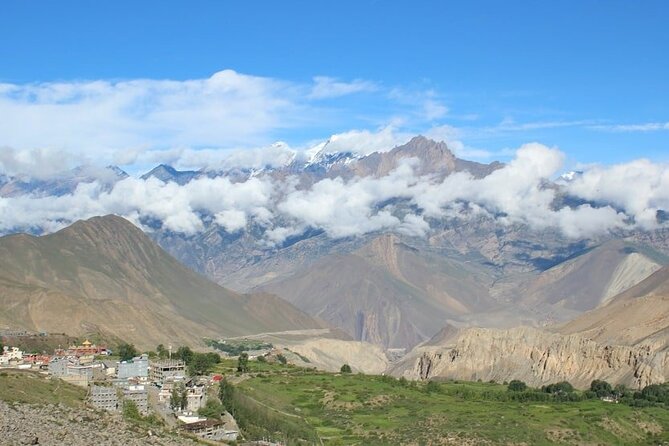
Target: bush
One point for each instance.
(212, 409)
(601, 388)
(130, 411)
(517, 386)
(127, 351)
(560, 388)
(282, 359)
(345, 369)
(432, 386)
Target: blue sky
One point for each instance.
(589, 77)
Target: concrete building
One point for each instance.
(195, 398)
(139, 395)
(58, 366)
(105, 398)
(160, 371)
(210, 430)
(137, 367)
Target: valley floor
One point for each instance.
(352, 409)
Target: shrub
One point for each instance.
(601, 388)
(345, 369)
(130, 411)
(432, 386)
(212, 409)
(516, 386)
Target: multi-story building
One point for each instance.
(195, 398)
(105, 398)
(160, 371)
(139, 395)
(137, 367)
(58, 366)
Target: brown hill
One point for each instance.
(389, 293)
(639, 315)
(592, 278)
(106, 275)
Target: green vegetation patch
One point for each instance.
(32, 388)
(234, 347)
(376, 410)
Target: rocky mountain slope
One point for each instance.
(104, 274)
(388, 293)
(593, 277)
(624, 340)
(533, 355)
(638, 316)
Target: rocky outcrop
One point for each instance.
(58, 425)
(535, 356)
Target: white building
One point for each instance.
(11, 356)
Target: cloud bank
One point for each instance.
(622, 196)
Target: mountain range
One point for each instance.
(467, 299)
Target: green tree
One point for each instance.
(226, 393)
(243, 363)
(620, 390)
(282, 359)
(516, 386)
(212, 409)
(127, 351)
(601, 388)
(345, 369)
(213, 358)
(178, 398)
(559, 388)
(162, 351)
(200, 364)
(185, 354)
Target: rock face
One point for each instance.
(23, 424)
(626, 341)
(534, 356)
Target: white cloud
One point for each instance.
(644, 127)
(225, 109)
(364, 142)
(327, 87)
(34, 163)
(624, 196)
(640, 187)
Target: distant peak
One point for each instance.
(421, 142)
(110, 222)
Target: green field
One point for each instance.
(373, 410)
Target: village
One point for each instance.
(161, 386)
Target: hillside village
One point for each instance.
(151, 385)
